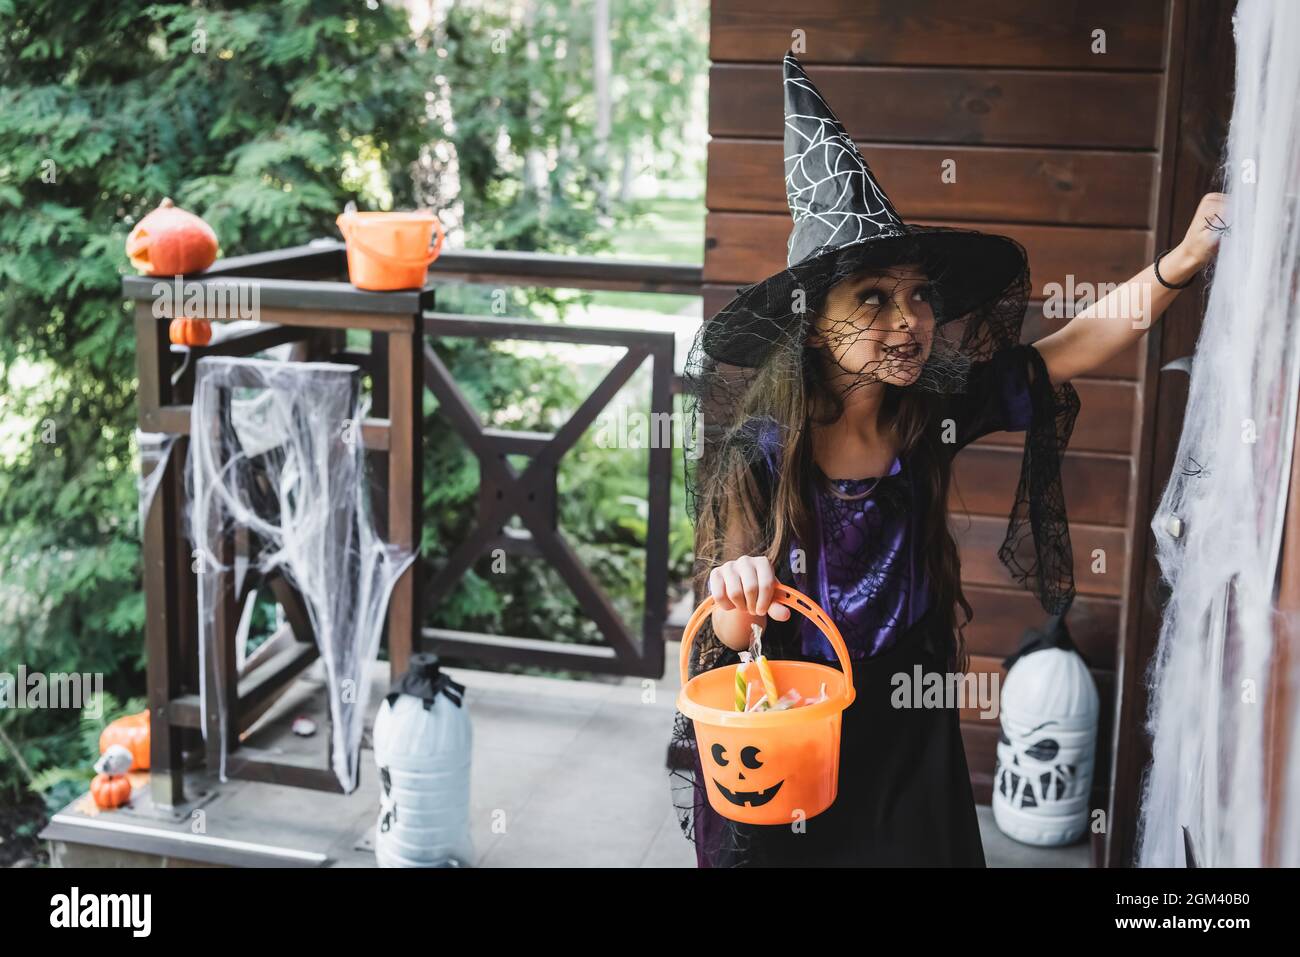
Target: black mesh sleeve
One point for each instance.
(1011, 391)
(997, 398)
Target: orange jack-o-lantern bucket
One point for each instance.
(769, 767)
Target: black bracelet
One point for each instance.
(1169, 285)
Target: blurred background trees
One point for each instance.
(527, 125)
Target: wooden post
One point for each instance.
(220, 670)
(185, 662)
(405, 486)
(159, 545)
(377, 461)
(1198, 105)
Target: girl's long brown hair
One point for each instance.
(739, 516)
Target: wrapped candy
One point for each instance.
(769, 681)
(791, 699)
(762, 693)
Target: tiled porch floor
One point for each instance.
(565, 773)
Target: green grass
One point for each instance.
(669, 230)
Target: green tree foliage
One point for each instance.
(261, 117)
(265, 117)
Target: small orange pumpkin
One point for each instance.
(169, 242)
(110, 791)
(132, 733)
(190, 332)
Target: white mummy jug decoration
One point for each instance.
(1047, 748)
(422, 747)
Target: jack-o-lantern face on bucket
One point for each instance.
(754, 776)
(745, 790)
(768, 766)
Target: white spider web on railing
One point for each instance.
(276, 455)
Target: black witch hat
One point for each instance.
(843, 223)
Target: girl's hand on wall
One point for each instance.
(747, 584)
(1201, 243)
(1117, 320)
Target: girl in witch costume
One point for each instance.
(832, 398)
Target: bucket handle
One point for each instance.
(784, 595)
(422, 263)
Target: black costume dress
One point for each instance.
(904, 785)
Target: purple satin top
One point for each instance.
(865, 569)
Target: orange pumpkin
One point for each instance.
(169, 242)
(110, 792)
(132, 733)
(190, 332)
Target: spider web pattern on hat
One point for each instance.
(843, 221)
(827, 179)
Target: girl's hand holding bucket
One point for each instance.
(773, 766)
(744, 592)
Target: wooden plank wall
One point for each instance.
(1054, 145)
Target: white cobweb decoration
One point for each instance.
(276, 454)
(1218, 527)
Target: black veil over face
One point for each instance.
(844, 223)
(782, 333)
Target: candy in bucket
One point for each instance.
(761, 693)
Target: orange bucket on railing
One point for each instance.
(389, 251)
(766, 767)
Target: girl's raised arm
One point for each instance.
(1121, 317)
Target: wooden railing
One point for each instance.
(304, 299)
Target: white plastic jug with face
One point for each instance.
(1042, 781)
(422, 748)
